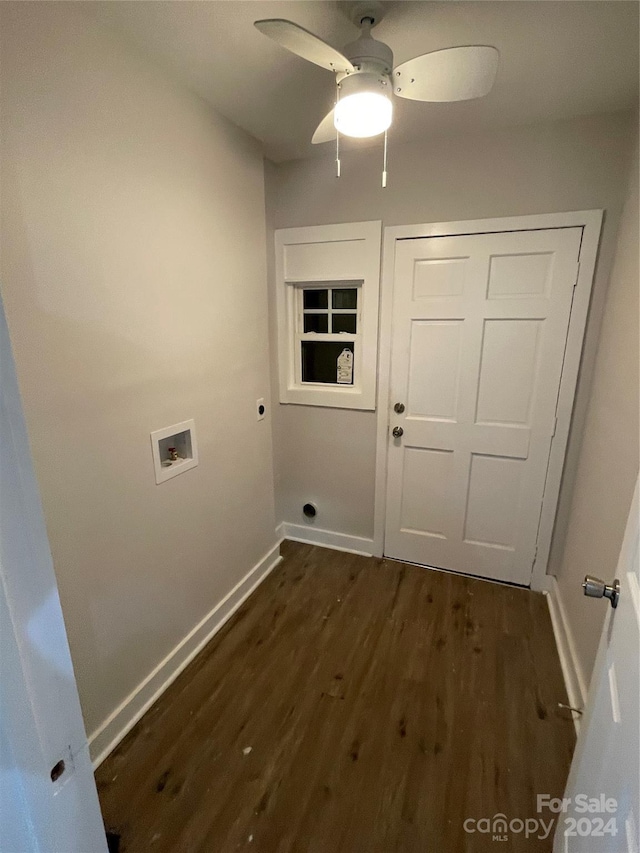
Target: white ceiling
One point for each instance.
(559, 58)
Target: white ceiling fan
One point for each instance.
(367, 82)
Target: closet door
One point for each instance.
(480, 325)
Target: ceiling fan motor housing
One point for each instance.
(367, 53)
(373, 61)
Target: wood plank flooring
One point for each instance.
(383, 704)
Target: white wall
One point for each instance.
(608, 462)
(133, 275)
(570, 165)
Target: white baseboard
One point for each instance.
(571, 669)
(124, 718)
(310, 535)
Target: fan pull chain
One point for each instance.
(384, 162)
(337, 132)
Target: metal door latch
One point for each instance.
(595, 588)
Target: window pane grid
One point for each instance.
(328, 325)
(346, 318)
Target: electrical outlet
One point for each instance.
(260, 409)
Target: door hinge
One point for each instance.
(555, 426)
(577, 274)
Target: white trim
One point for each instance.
(571, 669)
(363, 268)
(325, 538)
(536, 221)
(127, 714)
(384, 372)
(590, 221)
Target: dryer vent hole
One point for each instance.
(309, 511)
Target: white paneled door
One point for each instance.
(480, 325)
(601, 810)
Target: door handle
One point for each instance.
(595, 588)
(398, 408)
(397, 432)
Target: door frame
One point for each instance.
(591, 222)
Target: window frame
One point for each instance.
(349, 257)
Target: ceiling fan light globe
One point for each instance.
(363, 114)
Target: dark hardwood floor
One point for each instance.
(355, 705)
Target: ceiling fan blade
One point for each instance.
(325, 131)
(304, 44)
(452, 74)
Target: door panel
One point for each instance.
(524, 274)
(508, 371)
(439, 277)
(427, 475)
(434, 366)
(495, 484)
(479, 331)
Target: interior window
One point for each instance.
(328, 311)
(328, 281)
